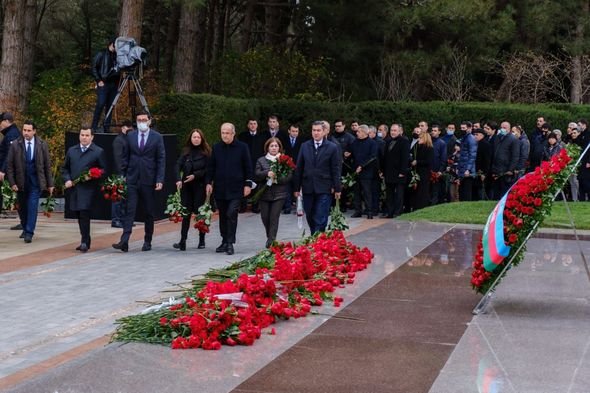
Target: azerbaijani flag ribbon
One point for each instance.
(494, 247)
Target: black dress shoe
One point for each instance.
(123, 246)
(28, 238)
(181, 245)
(222, 248)
(268, 243)
(369, 216)
(387, 216)
(83, 247)
(230, 249)
(17, 227)
(356, 215)
(116, 224)
(22, 235)
(147, 246)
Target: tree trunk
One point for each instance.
(28, 52)
(202, 80)
(186, 49)
(131, 19)
(273, 29)
(246, 28)
(171, 39)
(576, 75)
(11, 67)
(156, 37)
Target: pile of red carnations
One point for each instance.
(277, 284)
(529, 201)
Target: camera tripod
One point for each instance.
(138, 91)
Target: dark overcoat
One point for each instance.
(318, 172)
(145, 167)
(276, 191)
(81, 196)
(395, 160)
(229, 170)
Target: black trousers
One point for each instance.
(466, 189)
(83, 217)
(147, 195)
(362, 191)
(270, 212)
(395, 198)
(228, 219)
(192, 197)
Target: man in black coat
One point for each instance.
(106, 79)
(505, 153)
(80, 191)
(364, 155)
(395, 170)
(120, 151)
(255, 140)
(378, 137)
(10, 133)
(144, 168)
(483, 160)
(274, 131)
(343, 139)
(318, 177)
(229, 177)
(292, 149)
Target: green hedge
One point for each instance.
(179, 113)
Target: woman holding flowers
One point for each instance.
(275, 171)
(190, 180)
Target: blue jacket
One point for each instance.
(229, 170)
(318, 172)
(439, 160)
(145, 167)
(467, 156)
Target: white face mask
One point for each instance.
(380, 134)
(143, 126)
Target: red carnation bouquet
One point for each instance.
(114, 188)
(203, 217)
(93, 173)
(282, 167)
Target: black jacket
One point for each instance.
(103, 66)
(255, 144)
(229, 170)
(81, 196)
(120, 151)
(365, 154)
(483, 158)
(395, 160)
(11, 133)
(506, 151)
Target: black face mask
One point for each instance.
(415, 135)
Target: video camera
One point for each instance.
(129, 54)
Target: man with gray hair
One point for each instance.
(229, 174)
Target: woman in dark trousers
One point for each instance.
(190, 179)
(273, 198)
(422, 164)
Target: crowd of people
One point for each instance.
(373, 170)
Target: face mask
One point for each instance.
(380, 134)
(143, 126)
(450, 132)
(502, 131)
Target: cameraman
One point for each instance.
(106, 78)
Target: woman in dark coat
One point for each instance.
(422, 164)
(190, 179)
(273, 198)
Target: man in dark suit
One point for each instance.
(274, 130)
(144, 168)
(229, 174)
(255, 140)
(318, 176)
(394, 168)
(81, 192)
(483, 161)
(28, 169)
(292, 149)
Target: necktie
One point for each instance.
(84, 149)
(292, 142)
(142, 142)
(29, 152)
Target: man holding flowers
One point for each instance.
(84, 166)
